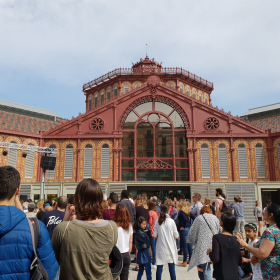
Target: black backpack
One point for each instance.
(225, 207)
(37, 270)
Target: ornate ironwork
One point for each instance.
(211, 123)
(97, 124)
(154, 164)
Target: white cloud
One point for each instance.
(69, 42)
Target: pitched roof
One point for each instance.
(11, 121)
(261, 109)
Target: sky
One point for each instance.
(49, 49)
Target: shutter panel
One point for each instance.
(205, 163)
(212, 191)
(242, 161)
(260, 162)
(68, 167)
(247, 193)
(12, 158)
(88, 163)
(279, 154)
(105, 163)
(29, 165)
(201, 189)
(25, 190)
(50, 174)
(117, 188)
(223, 167)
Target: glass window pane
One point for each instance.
(145, 145)
(182, 163)
(180, 145)
(163, 138)
(177, 120)
(130, 121)
(154, 118)
(182, 175)
(155, 175)
(128, 147)
(127, 175)
(162, 107)
(128, 163)
(144, 108)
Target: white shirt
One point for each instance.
(256, 269)
(166, 244)
(123, 239)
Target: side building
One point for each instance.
(154, 130)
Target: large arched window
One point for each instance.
(12, 156)
(154, 143)
(115, 91)
(223, 167)
(102, 97)
(88, 161)
(260, 160)
(206, 99)
(205, 161)
(29, 163)
(95, 101)
(89, 103)
(242, 161)
(194, 93)
(188, 92)
(105, 161)
(108, 94)
(51, 173)
(68, 166)
(126, 88)
(200, 96)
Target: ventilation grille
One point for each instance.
(242, 160)
(105, 155)
(29, 165)
(205, 163)
(223, 167)
(68, 169)
(12, 158)
(260, 162)
(88, 163)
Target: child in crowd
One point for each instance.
(143, 244)
(251, 234)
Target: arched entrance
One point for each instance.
(154, 142)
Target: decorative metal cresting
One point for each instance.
(154, 164)
(211, 123)
(97, 124)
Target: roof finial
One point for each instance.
(147, 50)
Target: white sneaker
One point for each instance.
(154, 266)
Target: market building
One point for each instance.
(154, 130)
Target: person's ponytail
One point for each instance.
(275, 210)
(163, 211)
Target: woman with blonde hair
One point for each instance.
(185, 218)
(208, 203)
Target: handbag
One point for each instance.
(37, 270)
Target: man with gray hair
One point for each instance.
(31, 208)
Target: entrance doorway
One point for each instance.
(161, 192)
(272, 194)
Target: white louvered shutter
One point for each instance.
(242, 161)
(88, 163)
(12, 157)
(29, 164)
(260, 161)
(105, 155)
(68, 167)
(223, 167)
(205, 162)
(201, 189)
(279, 154)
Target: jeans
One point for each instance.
(126, 264)
(187, 247)
(153, 247)
(172, 273)
(148, 271)
(206, 274)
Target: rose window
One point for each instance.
(211, 123)
(97, 124)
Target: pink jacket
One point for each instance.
(153, 216)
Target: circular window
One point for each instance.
(97, 124)
(211, 123)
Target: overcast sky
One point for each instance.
(49, 49)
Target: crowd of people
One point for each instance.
(81, 236)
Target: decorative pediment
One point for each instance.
(154, 164)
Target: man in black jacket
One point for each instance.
(129, 205)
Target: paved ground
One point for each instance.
(181, 272)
